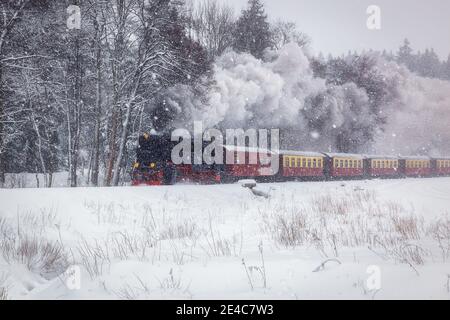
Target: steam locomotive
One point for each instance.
(153, 165)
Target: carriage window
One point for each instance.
(286, 162)
(299, 162)
(304, 163)
(314, 163)
(309, 163)
(292, 162)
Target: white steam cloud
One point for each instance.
(419, 117)
(250, 92)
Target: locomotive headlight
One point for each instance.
(152, 165)
(136, 165)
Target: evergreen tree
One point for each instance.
(446, 69)
(428, 64)
(252, 33)
(405, 55)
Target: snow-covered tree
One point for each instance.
(211, 23)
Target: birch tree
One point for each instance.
(10, 14)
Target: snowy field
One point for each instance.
(379, 239)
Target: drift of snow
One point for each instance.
(191, 241)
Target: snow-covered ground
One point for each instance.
(386, 239)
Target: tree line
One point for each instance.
(74, 99)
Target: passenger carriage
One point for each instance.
(381, 166)
(441, 166)
(415, 166)
(248, 162)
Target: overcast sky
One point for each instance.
(337, 26)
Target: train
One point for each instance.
(153, 165)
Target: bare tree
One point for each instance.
(212, 25)
(10, 12)
(119, 15)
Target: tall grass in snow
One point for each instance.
(354, 219)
